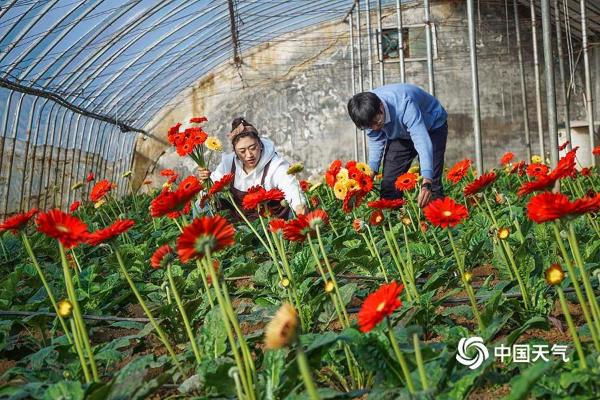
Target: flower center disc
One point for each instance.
(381, 306)
(62, 228)
(447, 213)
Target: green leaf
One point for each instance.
(65, 390)
(521, 384)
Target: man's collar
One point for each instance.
(387, 118)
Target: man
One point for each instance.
(405, 121)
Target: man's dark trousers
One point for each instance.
(399, 155)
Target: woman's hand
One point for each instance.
(300, 209)
(203, 174)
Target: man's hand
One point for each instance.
(424, 194)
(203, 174)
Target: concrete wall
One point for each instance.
(295, 91)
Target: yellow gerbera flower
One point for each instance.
(364, 168)
(351, 184)
(281, 330)
(213, 143)
(340, 189)
(537, 159)
(342, 175)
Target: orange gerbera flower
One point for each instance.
(353, 199)
(378, 305)
(100, 189)
(548, 206)
(507, 158)
(459, 170)
(297, 229)
(67, 229)
(260, 196)
(17, 222)
(407, 181)
(376, 218)
(221, 184)
(198, 120)
(103, 235)
(216, 233)
(276, 225)
(90, 177)
(445, 212)
(74, 206)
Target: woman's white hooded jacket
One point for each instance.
(277, 176)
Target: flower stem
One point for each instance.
(205, 282)
(572, 329)
(332, 276)
(38, 269)
(372, 240)
(243, 216)
(79, 351)
(420, 364)
(248, 386)
(157, 328)
(578, 292)
(186, 322)
(584, 276)
(77, 312)
(400, 357)
(467, 285)
(305, 372)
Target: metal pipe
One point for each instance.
(107, 152)
(589, 101)
(561, 72)
(352, 79)
(43, 160)
(71, 132)
(429, 43)
(132, 160)
(26, 156)
(35, 148)
(369, 44)
(538, 87)
(522, 80)
(74, 176)
(400, 41)
(75, 146)
(15, 128)
(360, 74)
(380, 45)
(89, 158)
(5, 127)
(59, 128)
(475, 87)
(550, 90)
(117, 160)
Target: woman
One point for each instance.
(255, 162)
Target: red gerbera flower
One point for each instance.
(407, 181)
(353, 199)
(90, 177)
(166, 202)
(518, 168)
(542, 182)
(276, 225)
(184, 211)
(479, 184)
(17, 222)
(563, 146)
(297, 229)
(351, 164)
(388, 204)
(314, 201)
(378, 305)
(459, 170)
(549, 206)
(596, 151)
(376, 218)
(212, 232)
(161, 256)
(365, 182)
(257, 197)
(74, 206)
(507, 158)
(332, 171)
(198, 120)
(445, 212)
(103, 235)
(565, 166)
(537, 169)
(221, 184)
(196, 136)
(99, 190)
(188, 188)
(168, 172)
(586, 171)
(67, 229)
(304, 185)
(317, 218)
